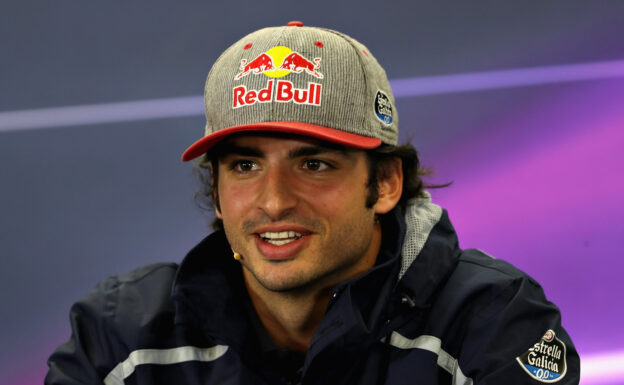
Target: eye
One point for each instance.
(244, 166)
(316, 165)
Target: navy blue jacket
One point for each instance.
(426, 313)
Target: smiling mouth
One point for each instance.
(280, 238)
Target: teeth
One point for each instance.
(280, 238)
(280, 235)
(279, 242)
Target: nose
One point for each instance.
(277, 198)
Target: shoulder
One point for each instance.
(474, 259)
(124, 301)
(489, 313)
(142, 280)
(476, 269)
(151, 271)
(108, 322)
(483, 286)
(485, 298)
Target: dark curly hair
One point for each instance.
(378, 159)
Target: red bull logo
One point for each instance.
(285, 92)
(278, 62)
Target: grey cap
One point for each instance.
(302, 80)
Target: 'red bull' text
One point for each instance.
(284, 92)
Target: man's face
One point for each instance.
(295, 209)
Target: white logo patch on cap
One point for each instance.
(383, 108)
(545, 361)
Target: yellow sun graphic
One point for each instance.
(278, 54)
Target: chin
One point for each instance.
(288, 284)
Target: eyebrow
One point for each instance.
(305, 150)
(229, 148)
(316, 150)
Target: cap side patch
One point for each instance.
(545, 361)
(383, 108)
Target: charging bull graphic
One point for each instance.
(278, 62)
(257, 66)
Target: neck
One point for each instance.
(291, 318)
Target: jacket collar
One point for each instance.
(430, 251)
(427, 273)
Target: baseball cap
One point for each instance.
(301, 80)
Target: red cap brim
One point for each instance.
(318, 132)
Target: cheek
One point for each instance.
(233, 200)
(339, 202)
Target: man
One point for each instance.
(331, 265)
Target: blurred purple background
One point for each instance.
(491, 94)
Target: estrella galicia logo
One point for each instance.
(545, 361)
(383, 108)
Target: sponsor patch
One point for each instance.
(545, 361)
(383, 108)
(276, 63)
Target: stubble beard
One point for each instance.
(347, 247)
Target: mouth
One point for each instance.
(280, 238)
(282, 243)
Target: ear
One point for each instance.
(390, 186)
(215, 194)
(217, 211)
